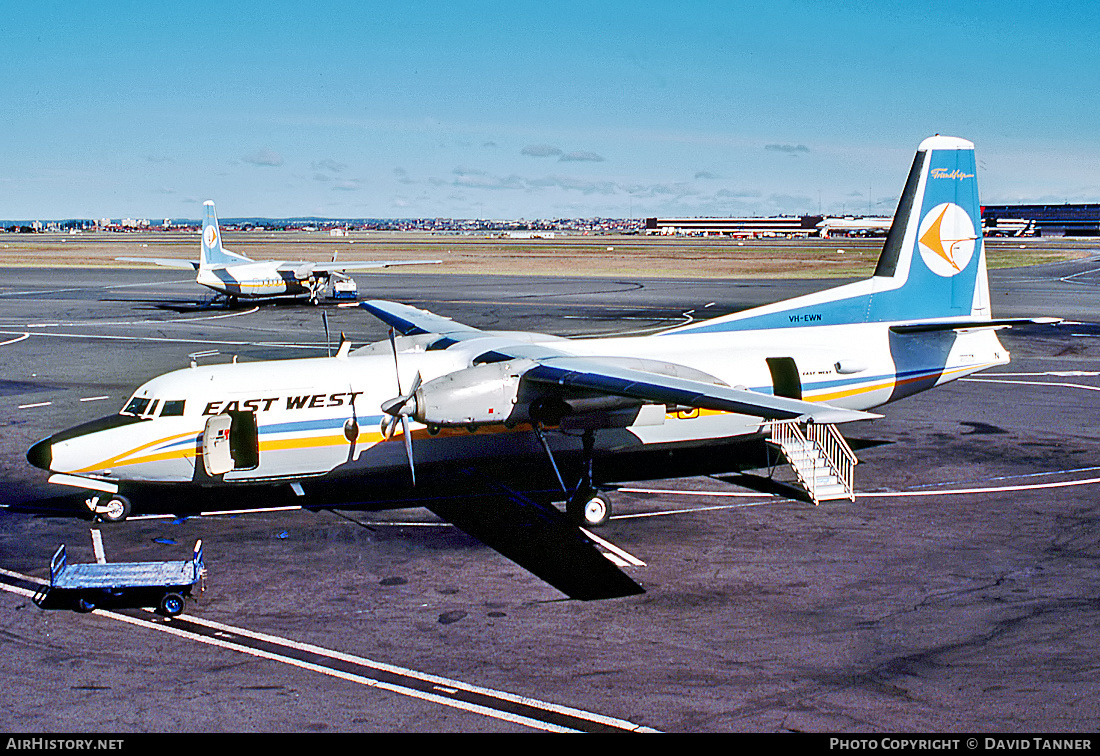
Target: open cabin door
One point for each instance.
(231, 441)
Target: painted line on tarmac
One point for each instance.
(174, 321)
(873, 495)
(507, 707)
(1055, 384)
(984, 490)
(39, 292)
(626, 557)
(161, 339)
(24, 337)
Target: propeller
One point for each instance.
(398, 408)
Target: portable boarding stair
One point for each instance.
(820, 457)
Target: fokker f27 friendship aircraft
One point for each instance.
(240, 277)
(496, 425)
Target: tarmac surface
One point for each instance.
(960, 592)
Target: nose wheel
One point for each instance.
(109, 507)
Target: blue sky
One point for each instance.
(535, 109)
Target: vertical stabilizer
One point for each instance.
(212, 252)
(933, 262)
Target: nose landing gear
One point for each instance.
(109, 507)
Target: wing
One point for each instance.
(305, 269)
(410, 321)
(554, 367)
(602, 376)
(339, 267)
(165, 262)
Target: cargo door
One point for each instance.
(785, 379)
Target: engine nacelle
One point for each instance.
(477, 395)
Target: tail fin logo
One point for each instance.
(210, 236)
(946, 239)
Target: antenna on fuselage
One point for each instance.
(194, 356)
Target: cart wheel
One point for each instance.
(84, 605)
(171, 605)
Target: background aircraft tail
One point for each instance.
(212, 252)
(932, 266)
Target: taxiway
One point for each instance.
(958, 592)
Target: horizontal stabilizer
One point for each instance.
(535, 536)
(165, 262)
(969, 325)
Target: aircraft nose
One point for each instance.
(41, 454)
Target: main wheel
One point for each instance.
(171, 605)
(113, 508)
(589, 511)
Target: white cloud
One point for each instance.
(266, 158)
(790, 149)
(541, 150)
(590, 157)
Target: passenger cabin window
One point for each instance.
(172, 408)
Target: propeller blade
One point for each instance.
(408, 445)
(396, 367)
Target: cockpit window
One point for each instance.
(172, 408)
(136, 406)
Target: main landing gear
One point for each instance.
(588, 509)
(585, 506)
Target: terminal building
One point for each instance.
(788, 226)
(784, 225)
(997, 220)
(1041, 220)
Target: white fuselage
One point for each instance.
(313, 416)
(255, 280)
